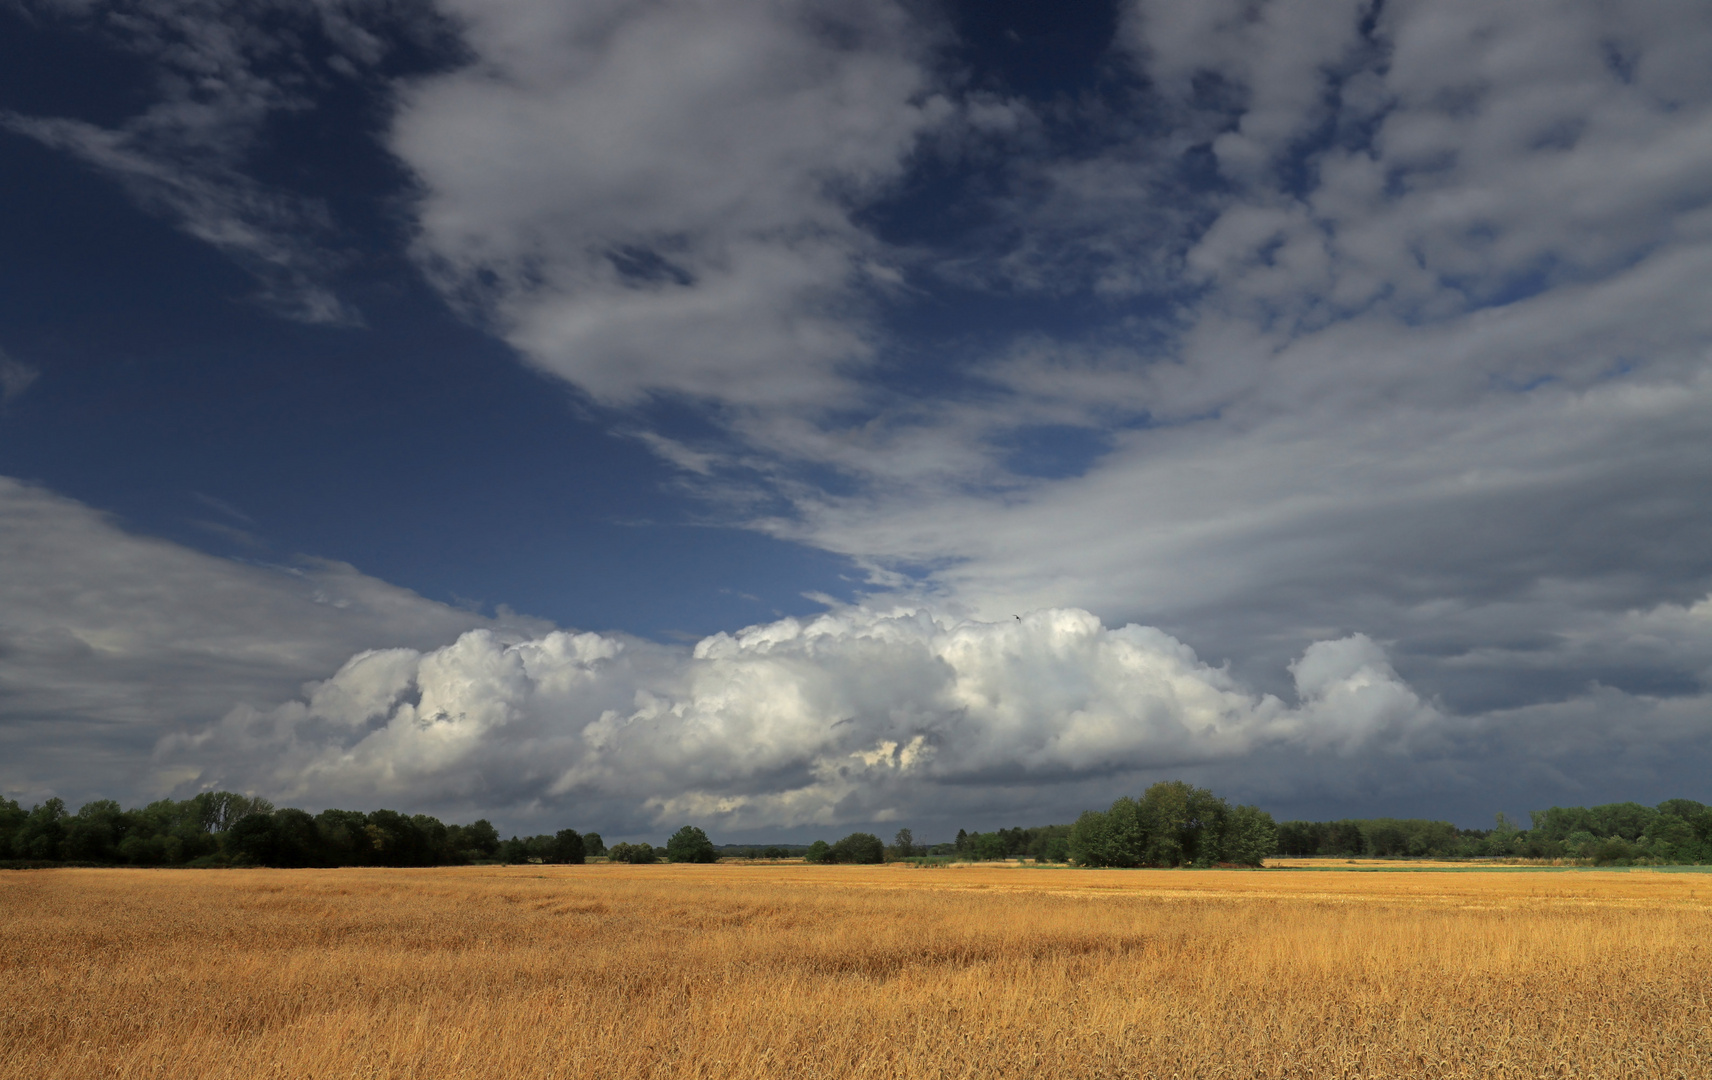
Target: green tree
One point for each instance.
(94, 832)
(592, 844)
(253, 839)
(858, 847)
(1250, 836)
(12, 818)
(1628, 820)
(296, 840)
(904, 843)
(344, 837)
(42, 832)
(568, 847)
(988, 846)
(690, 845)
(473, 842)
(1299, 839)
(1090, 839)
(1056, 849)
(638, 854)
(818, 852)
(220, 810)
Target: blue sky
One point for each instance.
(796, 417)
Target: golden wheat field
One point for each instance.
(797, 971)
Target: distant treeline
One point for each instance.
(1675, 832)
(1171, 824)
(221, 828)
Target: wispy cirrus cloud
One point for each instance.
(222, 73)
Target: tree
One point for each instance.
(94, 832)
(345, 839)
(1166, 808)
(296, 841)
(592, 843)
(637, 854)
(858, 847)
(904, 843)
(220, 810)
(1299, 839)
(252, 839)
(690, 845)
(567, 847)
(989, 846)
(1090, 839)
(818, 852)
(1250, 835)
(477, 840)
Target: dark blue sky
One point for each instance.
(415, 446)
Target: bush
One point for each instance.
(690, 845)
(635, 854)
(1611, 851)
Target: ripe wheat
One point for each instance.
(794, 971)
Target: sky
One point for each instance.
(800, 417)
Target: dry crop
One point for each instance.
(794, 971)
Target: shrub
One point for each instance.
(635, 854)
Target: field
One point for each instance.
(796, 971)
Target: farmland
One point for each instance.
(802, 971)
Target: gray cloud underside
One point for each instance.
(865, 716)
(109, 641)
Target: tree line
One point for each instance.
(1171, 824)
(1675, 832)
(223, 828)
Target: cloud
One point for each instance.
(1432, 363)
(864, 716)
(222, 72)
(856, 716)
(15, 377)
(657, 198)
(263, 231)
(109, 640)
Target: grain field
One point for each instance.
(794, 971)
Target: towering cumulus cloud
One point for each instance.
(855, 716)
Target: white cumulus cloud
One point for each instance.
(855, 716)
